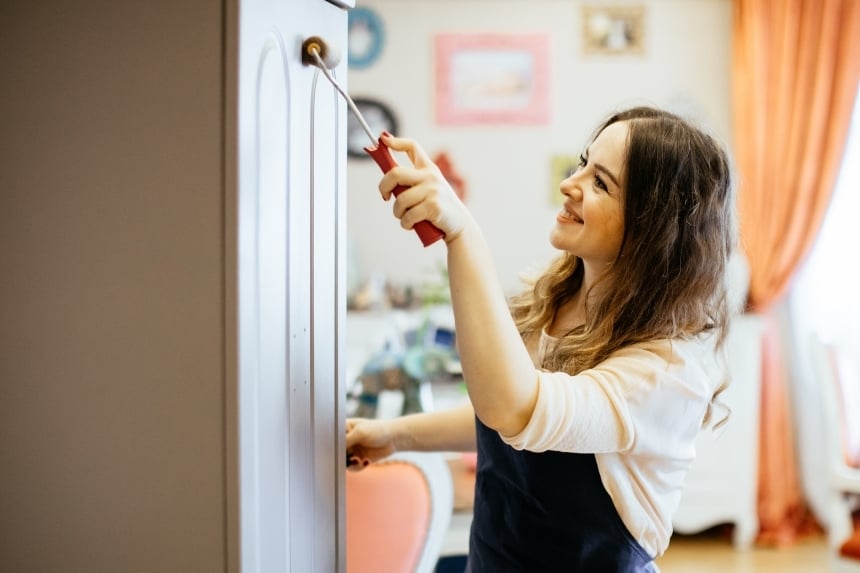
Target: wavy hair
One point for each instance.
(668, 280)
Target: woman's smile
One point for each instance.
(568, 216)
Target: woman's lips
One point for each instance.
(568, 216)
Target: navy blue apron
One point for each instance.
(545, 512)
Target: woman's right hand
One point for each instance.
(368, 441)
(428, 196)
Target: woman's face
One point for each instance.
(590, 225)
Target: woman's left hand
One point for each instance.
(428, 196)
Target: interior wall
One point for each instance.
(685, 68)
(112, 399)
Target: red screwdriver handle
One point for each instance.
(427, 231)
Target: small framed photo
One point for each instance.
(379, 118)
(492, 79)
(561, 167)
(613, 30)
(366, 37)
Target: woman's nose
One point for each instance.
(570, 186)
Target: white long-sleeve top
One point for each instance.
(639, 411)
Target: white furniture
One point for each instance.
(435, 470)
(843, 479)
(722, 484)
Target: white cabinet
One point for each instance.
(290, 174)
(722, 484)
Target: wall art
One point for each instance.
(492, 79)
(613, 30)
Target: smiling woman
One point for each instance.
(602, 372)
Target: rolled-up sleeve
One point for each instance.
(628, 401)
(573, 414)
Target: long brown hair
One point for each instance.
(668, 280)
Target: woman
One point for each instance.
(588, 389)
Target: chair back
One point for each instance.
(397, 514)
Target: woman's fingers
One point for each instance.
(418, 203)
(355, 457)
(419, 200)
(353, 434)
(366, 436)
(423, 194)
(408, 199)
(401, 176)
(410, 147)
(413, 207)
(429, 201)
(355, 463)
(363, 448)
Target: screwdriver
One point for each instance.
(316, 52)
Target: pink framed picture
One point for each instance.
(492, 79)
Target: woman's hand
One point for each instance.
(428, 196)
(367, 441)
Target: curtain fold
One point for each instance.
(795, 70)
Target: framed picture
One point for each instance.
(379, 118)
(492, 79)
(561, 167)
(366, 37)
(613, 30)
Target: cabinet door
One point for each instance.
(722, 484)
(290, 173)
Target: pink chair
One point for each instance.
(397, 514)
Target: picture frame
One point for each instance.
(379, 117)
(366, 37)
(561, 167)
(613, 30)
(492, 79)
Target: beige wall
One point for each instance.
(112, 439)
(685, 68)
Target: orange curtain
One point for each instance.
(795, 66)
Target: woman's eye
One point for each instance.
(574, 169)
(598, 182)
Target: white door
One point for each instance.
(291, 128)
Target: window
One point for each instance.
(824, 296)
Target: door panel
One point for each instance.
(291, 247)
(328, 296)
